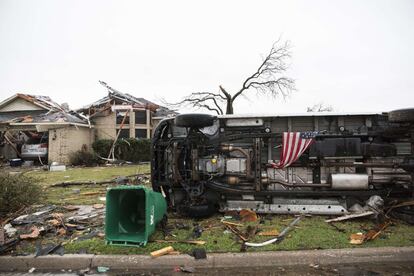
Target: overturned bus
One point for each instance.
(317, 163)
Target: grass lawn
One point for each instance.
(75, 194)
(310, 232)
(90, 173)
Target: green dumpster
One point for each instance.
(132, 213)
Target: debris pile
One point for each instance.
(49, 228)
(62, 224)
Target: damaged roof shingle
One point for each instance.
(52, 112)
(55, 117)
(116, 97)
(42, 101)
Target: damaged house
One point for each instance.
(35, 127)
(123, 115)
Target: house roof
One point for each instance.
(50, 120)
(42, 101)
(163, 112)
(50, 113)
(7, 116)
(116, 97)
(50, 117)
(123, 97)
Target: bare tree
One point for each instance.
(320, 107)
(268, 79)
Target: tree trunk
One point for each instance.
(229, 107)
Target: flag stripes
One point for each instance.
(294, 145)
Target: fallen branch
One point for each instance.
(403, 204)
(85, 194)
(374, 233)
(237, 232)
(93, 193)
(231, 223)
(92, 182)
(77, 183)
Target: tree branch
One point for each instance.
(199, 99)
(269, 78)
(266, 75)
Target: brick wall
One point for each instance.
(64, 141)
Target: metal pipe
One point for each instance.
(278, 238)
(374, 165)
(315, 185)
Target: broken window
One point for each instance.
(120, 116)
(140, 133)
(141, 117)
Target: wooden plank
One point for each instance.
(162, 251)
(351, 216)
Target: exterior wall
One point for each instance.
(20, 105)
(156, 121)
(64, 141)
(131, 123)
(147, 126)
(105, 126)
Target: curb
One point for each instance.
(214, 260)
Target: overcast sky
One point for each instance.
(353, 55)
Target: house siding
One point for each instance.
(64, 141)
(20, 105)
(105, 126)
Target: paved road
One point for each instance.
(357, 261)
(310, 270)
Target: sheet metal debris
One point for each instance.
(34, 217)
(49, 249)
(279, 238)
(8, 245)
(65, 225)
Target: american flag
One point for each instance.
(294, 144)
